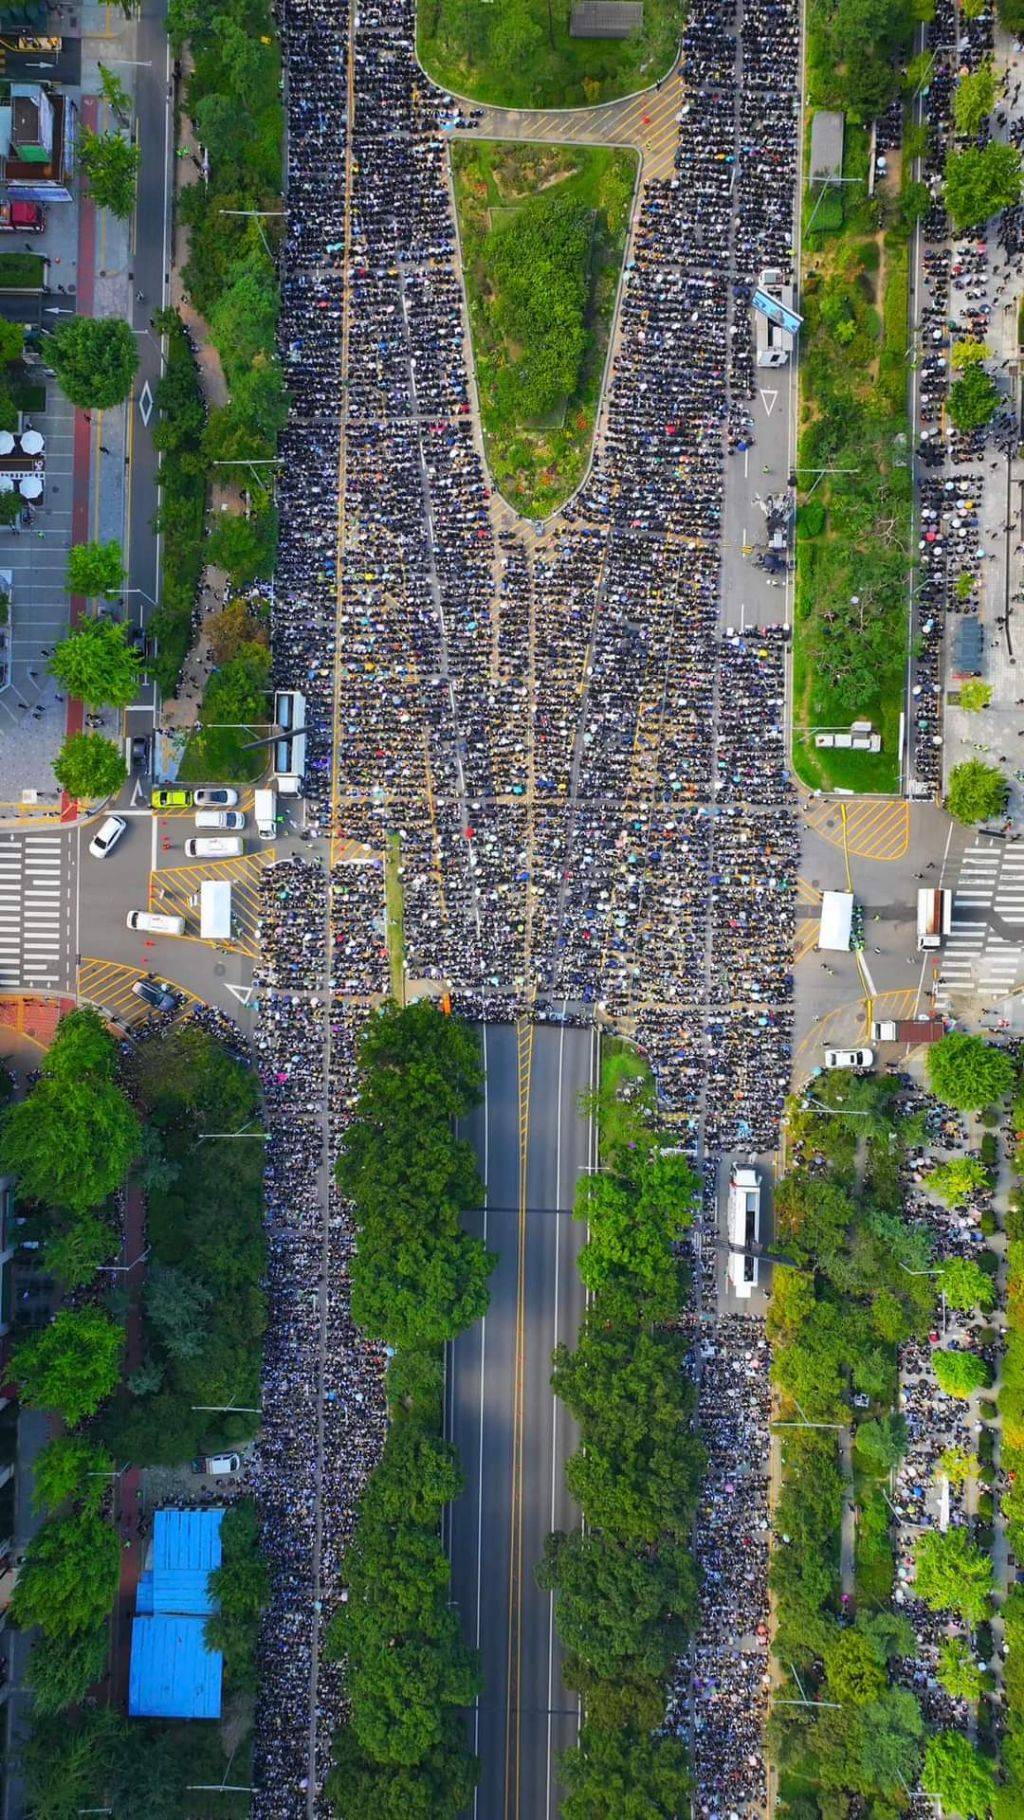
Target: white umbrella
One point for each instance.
(6, 442)
(32, 442)
(30, 486)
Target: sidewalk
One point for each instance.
(88, 272)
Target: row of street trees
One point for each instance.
(861, 1282)
(417, 1280)
(624, 1583)
(73, 1142)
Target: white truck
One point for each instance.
(265, 812)
(215, 910)
(934, 917)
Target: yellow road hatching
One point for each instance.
(876, 828)
(174, 891)
(835, 1026)
(108, 986)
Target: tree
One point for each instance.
(623, 1614)
(74, 1251)
(72, 1365)
(973, 100)
(855, 1668)
(111, 164)
(981, 182)
(958, 1775)
(241, 1587)
(232, 629)
(615, 1774)
(243, 546)
(975, 695)
(880, 1444)
(966, 1286)
(959, 1672)
(438, 1787)
(957, 1181)
(96, 664)
(12, 342)
(70, 1469)
(70, 1142)
(967, 1072)
(973, 399)
(177, 1305)
(960, 1374)
(69, 1576)
(968, 353)
(953, 1574)
(115, 94)
(82, 1049)
(89, 766)
(61, 1670)
(957, 1465)
(95, 568)
(95, 359)
(66, 1762)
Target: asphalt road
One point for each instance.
(512, 1437)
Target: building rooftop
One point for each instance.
(827, 131)
(606, 19)
(173, 1674)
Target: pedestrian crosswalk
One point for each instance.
(34, 911)
(982, 952)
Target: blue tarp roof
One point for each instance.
(186, 1546)
(173, 1675)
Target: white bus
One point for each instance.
(744, 1230)
(290, 745)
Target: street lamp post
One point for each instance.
(131, 1266)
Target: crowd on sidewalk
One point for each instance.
(627, 844)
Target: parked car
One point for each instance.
(214, 846)
(220, 818)
(219, 1464)
(152, 993)
(107, 836)
(171, 799)
(216, 799)
(849, 1058)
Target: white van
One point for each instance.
(220, 818)
(265, 810)
(215, 846)
(153, 922)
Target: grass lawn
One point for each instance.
(537, 462)
(518, 53)
(853, 527)
(22, 271)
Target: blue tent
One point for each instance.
(173, 1675)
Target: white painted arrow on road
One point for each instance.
(768, 399)
(138, 794)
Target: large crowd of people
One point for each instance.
(582, 760)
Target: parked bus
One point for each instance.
(744, 1230)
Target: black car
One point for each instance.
(152, 993)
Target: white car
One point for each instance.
(214, 846)
(849, 1058)
(107, 836)
(220, 818)
(215, 799)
